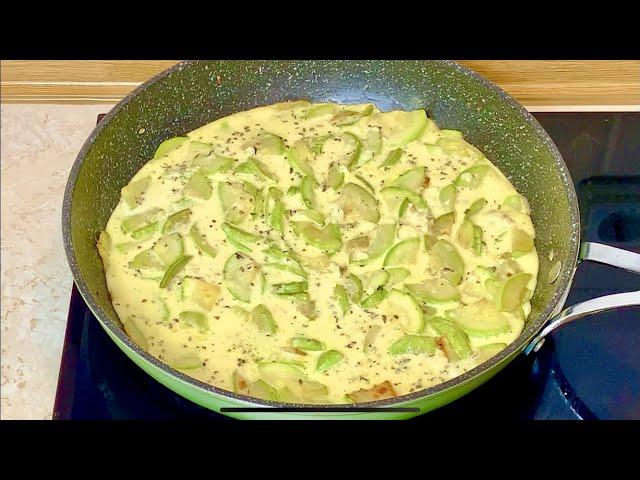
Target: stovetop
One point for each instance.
(586, 370)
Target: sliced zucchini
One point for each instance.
(475, 207)
(400, 127)
(187, 361)
(269, 144)
(397, 275)
(328, 359)
(393, 157)
(402, 306)
(146, 232)
(413, 345)
(517, 203)
(358, 204)
(318, 263)
(445, 259)
(353, 285)
(477, 240)
(320, 111)
(258, 389)
(307, 344)
(263, 318)
(255, 167)
(238, 235)
(404, 252)
(327, 238)
(201, 242)
(169, 248)
(212, 164)
(199, 148)
(290, 287)
(147, 259)
(383, 237)
(454, 340)
(521, 242)
(281, 375)
(447, 197)
(349, 117)
(514, 292)
(299, 156)
(344, 148)
(357, 244)
(198, 186)
(480, 319)
(472, 177)
(373, 300)
(374, 280)
(335, 177)
(276, 217)
(236, 202)
(373, 140)
(133, 193)
(403, 208)
(173, 270)
(177, 221)
(466, 234)
(370, 337)
(411, 179)
(141, 220)
(313, 215)
(341, 297)
(307, 194)
(239, 274)
(169, 145)
(443, 224)
(364, 182)
(204, 294)
(394, 196)
(195, 320)
(434, 290)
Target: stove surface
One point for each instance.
(589, 369)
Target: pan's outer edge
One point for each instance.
(564, 280)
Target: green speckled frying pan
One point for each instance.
(194, 93)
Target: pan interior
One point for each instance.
(192, 94)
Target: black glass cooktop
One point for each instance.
(586, 370)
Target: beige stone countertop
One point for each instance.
(39, 144)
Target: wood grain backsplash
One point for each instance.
(534, 83)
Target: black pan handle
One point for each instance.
(595, 252)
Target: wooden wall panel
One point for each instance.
(534, 83)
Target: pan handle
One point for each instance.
(595, 252)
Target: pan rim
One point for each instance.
(531, 329)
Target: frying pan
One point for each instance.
(191, 94)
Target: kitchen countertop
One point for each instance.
(39, 144)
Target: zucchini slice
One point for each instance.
(133, 193)
(198, 186)
(204, 294)
(413, 345)
(446, 260)
(403, 253)
(201, 242)
(263, 318)
(400, 127)
(299, 157)
(307, 344)
(411, 179)
(327, 238)
(169, 248)
(480, 319)
(328, 359)
(402, 306)
(169, 145)
(239, 275)
(235, 201)
(177, 221)
(454, 341)
(434, 290)
(358, 204)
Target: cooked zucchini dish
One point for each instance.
(320, 253)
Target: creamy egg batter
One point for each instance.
(321, 253)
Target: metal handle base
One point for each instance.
(595, 252)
